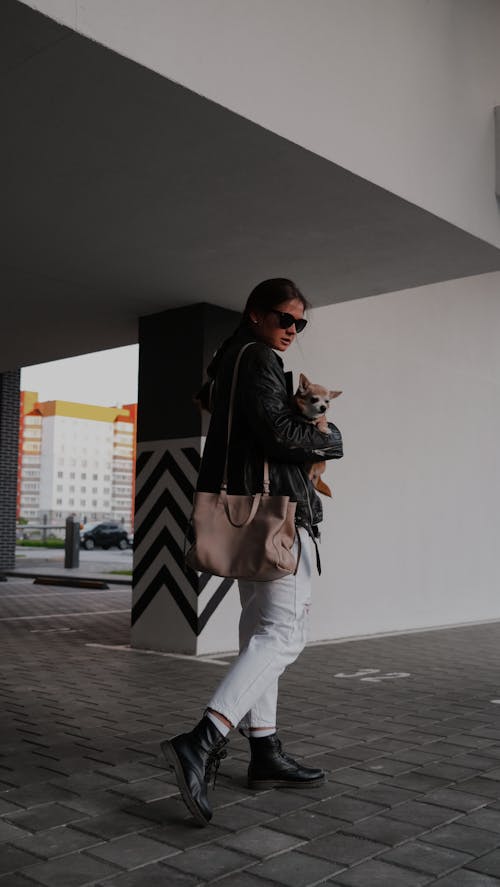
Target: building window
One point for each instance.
(71, 501)
(83, 476)
(58, 501)
(83, 489)
(95, 477)
(72, 475)
(72, 489)
(107, 477)
(95, 490)
(83, 503)
(94, 503)
(59, 488)
(106, 491)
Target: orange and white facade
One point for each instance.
(76, 459)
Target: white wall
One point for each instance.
(399, 91)
(411, 538)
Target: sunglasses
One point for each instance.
(287, 320)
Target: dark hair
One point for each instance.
(269, 293)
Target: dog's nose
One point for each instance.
(322, 409)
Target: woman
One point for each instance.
(274, 614)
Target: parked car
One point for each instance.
(103, 535)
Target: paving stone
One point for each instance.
(11, 858)
(329, 789)
(112, 825)
(361, 752)
(427, 858)
(145, 790)
(98, 802)
(8, 807)
(155, 875)
(488, 864)
(488, 788)
(484, 819)
(448, 771)
(418, 782)
(295, 869)
(379, 874)
(163, 811)
(429, 815)
(32, 795)
(385, 831)
(346, 808)
(466, 878)
(306, 824)
(244, 879)
(416, 756)
(185, 834)
(459, 800)
(210, 861)
(386, 766)
(382, 793)
(461, 837)
(260, 841)
(44, 816)
(15, 880)
(240, 816)
(343, 848)
(278, 802)
(129, 772)
(354, 777)
(85, 782)
(476, 762)
(69, 871)
(132, 851)
(55, 842)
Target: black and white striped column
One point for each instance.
(171, 607)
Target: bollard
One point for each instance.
(72, 543)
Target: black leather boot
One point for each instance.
(192, 756)
(270, 766)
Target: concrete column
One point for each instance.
(170, 609)
(9, 444)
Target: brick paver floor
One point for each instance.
(407, 727)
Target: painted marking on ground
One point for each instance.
(374, 675)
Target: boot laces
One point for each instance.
(283, 755)
(214, 758)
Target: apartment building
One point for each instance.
(76, 459)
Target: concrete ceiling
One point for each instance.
(125, 194)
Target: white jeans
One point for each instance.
(273, 631)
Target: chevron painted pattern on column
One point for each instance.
(166, 473)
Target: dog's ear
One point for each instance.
(332, 394)
(304, 383)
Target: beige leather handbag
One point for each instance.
(243, 537)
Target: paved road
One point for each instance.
(51, 561)
(407, 728)
(98, 556)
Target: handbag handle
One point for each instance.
(265, 482)
(251, 514)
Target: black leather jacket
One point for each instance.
(264, 424)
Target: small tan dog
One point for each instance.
(313, 401)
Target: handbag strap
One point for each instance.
(265, 483)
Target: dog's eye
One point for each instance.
(314, 399)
